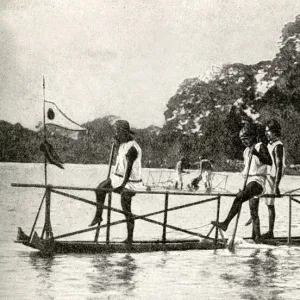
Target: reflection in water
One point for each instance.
(263, 271)
(164, 259)
(43, 265)
(255, 263)
(249, 274)
(113, 273)
(259, 276)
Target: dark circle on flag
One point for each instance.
(50, 114)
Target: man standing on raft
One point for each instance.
(126, 176)
(258, 156)
(178, 174)
(275, 172)
(206, 168)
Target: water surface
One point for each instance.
(253, 272)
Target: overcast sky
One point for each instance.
(124, 58)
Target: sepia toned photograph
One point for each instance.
(150, 149)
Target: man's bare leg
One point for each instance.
(100, 197)
(252, 189)
(236, 206)
(272, 215)
(126, 206)
(254, 205)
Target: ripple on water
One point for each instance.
(257, 273)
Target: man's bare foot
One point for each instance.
(96, 220)
(248, 222)
(127, 241)
(220, 225)
(258, 240)
(267, 235)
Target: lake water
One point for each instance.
(253, 272)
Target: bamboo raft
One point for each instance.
(48, 243)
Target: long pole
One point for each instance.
(110, 159)
(109, 200)
(36, 218)
(218, 217)
(231, 243)
(165, 218)
(44, 126)
(290, 220)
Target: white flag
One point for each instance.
(54, 116)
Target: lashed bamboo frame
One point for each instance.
(212, 197)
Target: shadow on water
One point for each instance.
(259, 276)
(113, 273)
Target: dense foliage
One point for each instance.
(202, 118)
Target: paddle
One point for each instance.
(231, 243)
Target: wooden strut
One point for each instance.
(218, 216)
(135, 217)
(165, 218)
(217, 230)
(291, 198)
(37, 216)
(170, 192)
(49, 234)
(108, 218)
(108, 176)
(223, 180)
(290, 221)
(47, 226)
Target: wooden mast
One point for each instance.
(44, 126)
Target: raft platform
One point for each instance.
(48, 243)
(53, 246)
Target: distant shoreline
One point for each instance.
(288, 171)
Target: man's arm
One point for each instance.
(263, 154)
(278, 159)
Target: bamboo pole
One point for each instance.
(165, 217)
(160, 176)
(113, 209)
(74, 188)
(136, 217)
(297, 201)
(143, 217)
(97, 233)
(108, 176)
(218, 216)
(74, 197)
(211, 230)
(178, 193)
(37, 216)
(45, 132)
(47, 226)
(290, 220)
(231, 243)
(108, 218)
(111, 159)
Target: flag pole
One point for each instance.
(44, 121)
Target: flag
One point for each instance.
(51, 155)
(54, 116)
